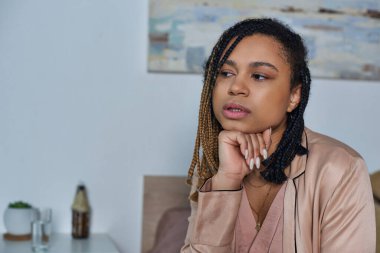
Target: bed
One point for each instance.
(166, 209)
(165, 212)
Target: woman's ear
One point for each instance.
(295, 98)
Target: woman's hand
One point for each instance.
(239, 153)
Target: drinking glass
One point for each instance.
(41, 229)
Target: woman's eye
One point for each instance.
(225, 73)
(259, 77)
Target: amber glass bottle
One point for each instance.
(80, 214)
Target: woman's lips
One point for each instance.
(235, 111)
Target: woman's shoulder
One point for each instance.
(317, 142)
(333, 168)
(332, 157)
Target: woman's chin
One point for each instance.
(246, 130)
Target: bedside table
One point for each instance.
(64, 243)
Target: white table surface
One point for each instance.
(63, 243)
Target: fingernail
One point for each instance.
(257, 162)
(251, 164)
(265, 153)
(246, 154)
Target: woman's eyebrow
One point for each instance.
(230, 62)
(259, 64)
(252, 64)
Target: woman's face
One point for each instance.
(252, 90)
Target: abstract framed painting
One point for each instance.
(342, 36)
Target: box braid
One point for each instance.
(209, 128)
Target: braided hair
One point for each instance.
(209, 128)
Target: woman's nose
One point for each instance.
(238, 87)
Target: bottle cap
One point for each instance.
(80, 203)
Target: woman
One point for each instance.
(266, 183)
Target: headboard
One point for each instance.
(161, 193)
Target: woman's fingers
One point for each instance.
(258, 147)
(263, 148)
(249, 150)
(256, 150)
(246, 149)
(253, 147)
(267, 137)
(243, 144)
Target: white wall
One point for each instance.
(76, 103)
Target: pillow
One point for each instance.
(171, 230)
(375, 181)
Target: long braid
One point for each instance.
(209, 128)
(288, 148)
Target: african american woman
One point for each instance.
(262, 181)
